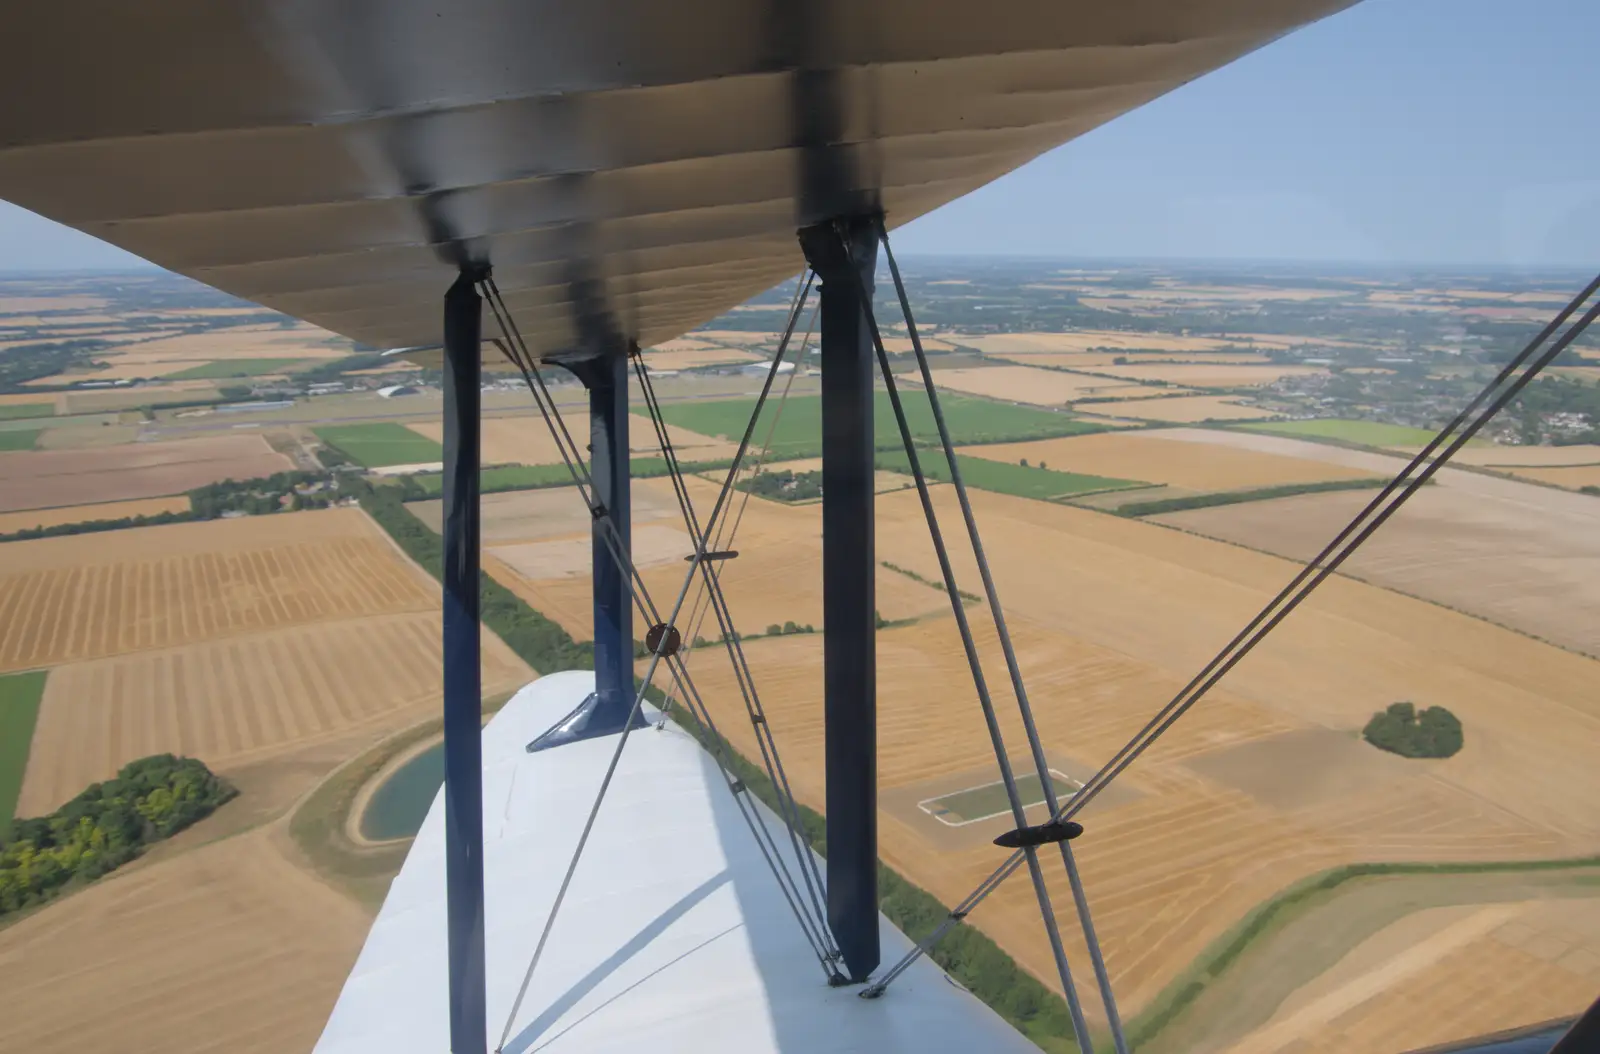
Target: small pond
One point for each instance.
(400, 804)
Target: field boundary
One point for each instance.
(1158, 506)
(1267, 917)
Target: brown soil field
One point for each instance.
(527, 440)
(1518, 554)
(1476, 968)
(95, 595)
(776, 578)
(11, 522)
(662, 358)
(1192, 409)
(1084, 340)
(242, 699)
(1221, 376)
(38, 479)
(1147, 457)
(229, 947)
(1039, 387)
(1108, 627)
(651, 545)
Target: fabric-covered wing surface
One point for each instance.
(630, 168)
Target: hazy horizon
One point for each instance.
(1401, 133)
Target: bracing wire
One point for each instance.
(516, 350)
(979, 680)
(1499, 392)
(765, 741)
(1008, 650)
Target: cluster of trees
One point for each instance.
(104, 827)
(784, 485)
(1432, 732)
(21, 363)
(538, 641)
(278, 492)
(789, 627)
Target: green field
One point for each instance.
(1365, 433)
(19, 709)
(11, 413)
(380, 444)
(799, 428)
(980, 803)
(1006, 478)
(19, 438)
(233, 368)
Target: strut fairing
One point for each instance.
(631, 169)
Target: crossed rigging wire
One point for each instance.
(1497, 394)
(814, 927)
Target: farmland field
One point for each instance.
(1188, 409)
(51, 478)
(11, 411)
(234, 368)
(19, 438)
(381, 444)
(1028, 384)
(1006, 478)
(799, 429)
(19, 710)
(1262, 784)
(11, 522)
(1206, 376)
(1153, 457)
(1366, 433)
(257, 944)
(238, 699)
(526, 440)
(90, 596)
(1089, 340)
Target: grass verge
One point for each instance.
(1157, 506)
(19, 711)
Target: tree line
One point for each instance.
(105, 826)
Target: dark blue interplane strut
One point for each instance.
(463, 745)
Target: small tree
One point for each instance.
(790, 627)
(774, 630)
(1024, 462)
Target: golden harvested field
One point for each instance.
(1086, 340)
(662, 358)
(1149, 458)
(1040, 387)
(38, 479)
(777, 577)
(1095, 359)
(241, 699)
(230, 947)
(1515, 553)
(1528, 456)
(129, 398)
(1191, 409)
(1476, 968)
(1572, 478)
(650, 545)
(1204, 376)
(549, 512)
(24, 399)
(1258, 786)
(90, 596)
(527, 440)
(233, 342)
(11, 522)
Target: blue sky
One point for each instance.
(1400, 131)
